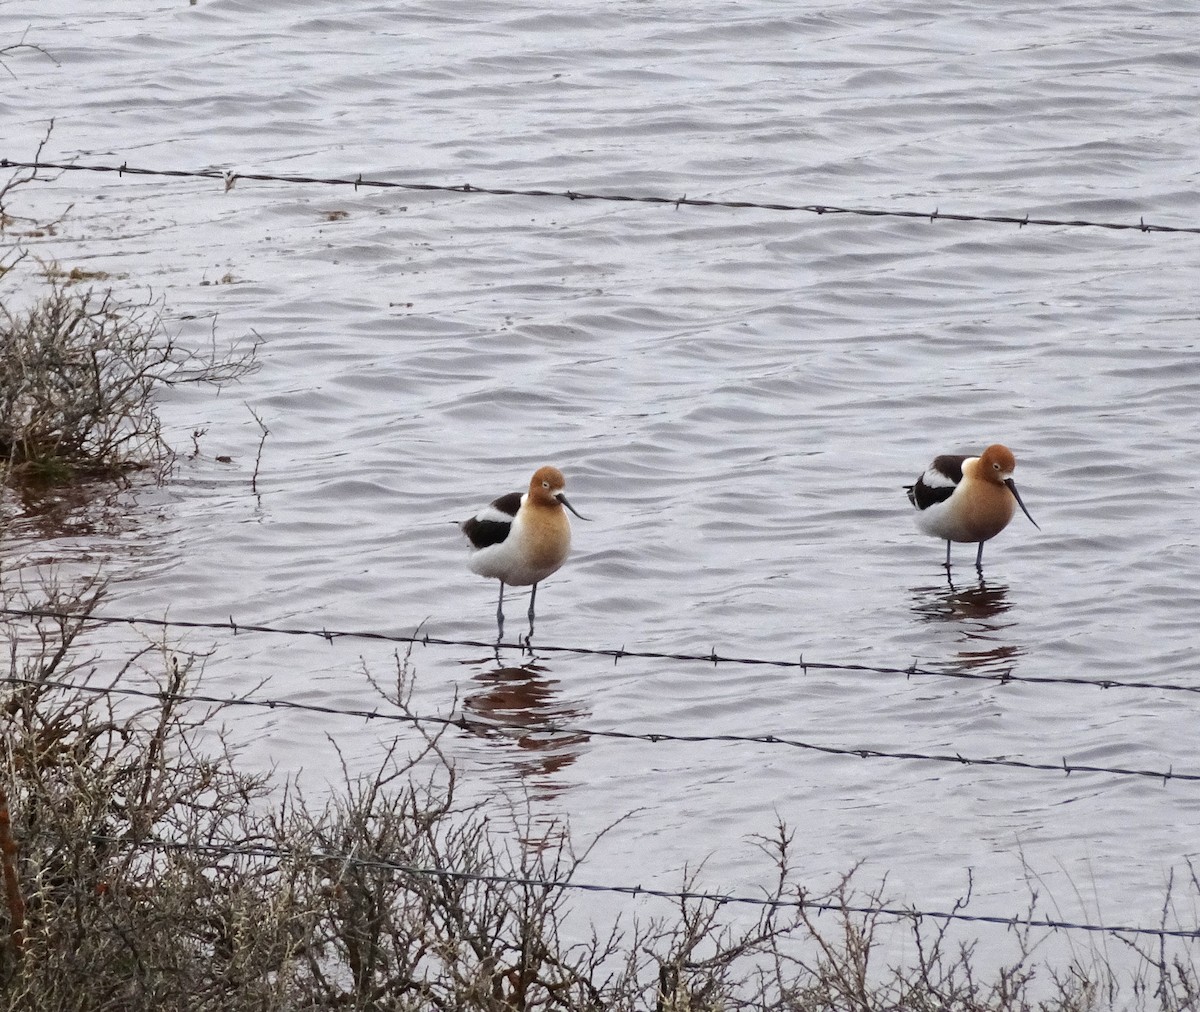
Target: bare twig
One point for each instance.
(258, 456)
(19, 45)
(24, 178)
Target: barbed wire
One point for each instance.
(616, 654)
(550, 728)
(229, 178)
(683, 895)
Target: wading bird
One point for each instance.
(520, 539)
(961, 498)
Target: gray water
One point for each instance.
(736, 397)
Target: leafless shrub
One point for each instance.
(85, 783)
(382, 937)
(144, 871)
(79, 374)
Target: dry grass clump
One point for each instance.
(143, 870)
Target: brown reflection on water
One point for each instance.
(43, 512)
(978, 612)
(517, 707)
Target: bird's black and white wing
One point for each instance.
(490, 526)
(938, 482)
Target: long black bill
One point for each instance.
(563, 499)
(1017, 495)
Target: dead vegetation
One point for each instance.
(80, 371)
(143, 868)
(81, 368)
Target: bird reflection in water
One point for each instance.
(519, 707)
(977, 611)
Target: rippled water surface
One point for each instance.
(736, 397)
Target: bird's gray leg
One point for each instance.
(979, 558)
(500, 612)
(529, 635)
(947, 554)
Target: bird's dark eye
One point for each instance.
(545, 484)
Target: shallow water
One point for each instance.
(736, 397)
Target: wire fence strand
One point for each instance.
(553, 729)
(615, 654)
(682, 896)
(228, 178)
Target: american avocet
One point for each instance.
(967, 498)
(521, 539)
